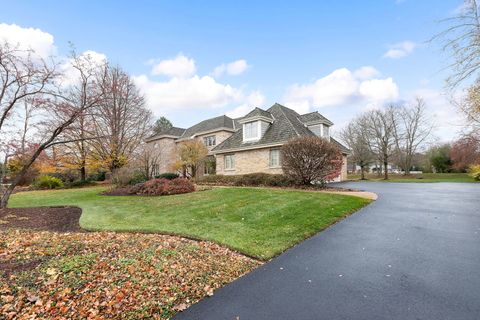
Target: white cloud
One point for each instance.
(28, 39)
(180, 66)
(342, 87)
(70, 74)
(255, 99)
(185, 89)
(181, 93)
(233, 68)
(400, 50)
(448, 121)
(379, 90)
(366, 72)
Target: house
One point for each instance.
(245, 145)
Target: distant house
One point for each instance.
(245, 145)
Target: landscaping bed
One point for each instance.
(259, 222)
(60, 218)
(101, 275)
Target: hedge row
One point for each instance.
(251, 179)
(162, 187)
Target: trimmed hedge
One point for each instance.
(167, 175)
(48, 182)
(251, 179)
(162, 187)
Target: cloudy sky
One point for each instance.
(195, 60)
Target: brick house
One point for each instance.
(245, 145)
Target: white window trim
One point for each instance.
(259, 131)
(225, 162)
(270, 159)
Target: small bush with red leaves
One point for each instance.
(162, 187)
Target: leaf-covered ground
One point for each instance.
(109, 275)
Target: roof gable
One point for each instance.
(209, 125)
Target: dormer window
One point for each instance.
(320, 130)
(251, 131)
(326, 132)
(316, 129)
(255, 124)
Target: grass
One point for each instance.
(424, 177)
(258, 222)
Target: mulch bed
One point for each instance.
(60, 219)
(118, 192)
(49, 269)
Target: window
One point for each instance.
(326, 131)
(275, 158)
(250, 131)
(230, 162)
(209, 141)
(316, 129)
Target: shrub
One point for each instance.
(80, 183)
(137, 177)
(475, 172)
(311, 159)
(251, 179)
(48, 182)
(97, 176)
(167, 175)
(127, 176)
(162, 187)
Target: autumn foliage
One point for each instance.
(163, 187)
(311, 159)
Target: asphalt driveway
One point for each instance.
(412, 254)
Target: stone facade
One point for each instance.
(166, 148)
(166, 154)
(258, 160)
(248, 161)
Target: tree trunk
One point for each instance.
(6, 196)
(362, 171)
(385, 168)
(83, 173)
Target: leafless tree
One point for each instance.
(461, 39)
(379, 129)
(412, 129)
(311, 159)
(357, 141)
(23, 76)
(122, 121)
(148, 157)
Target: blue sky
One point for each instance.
(305, 54)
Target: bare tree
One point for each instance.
(23, 77)
(461, 39)
(148, 157)
(357, 141)
(122, 121)
(413, 128)
(379, 129)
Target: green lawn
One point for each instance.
(425, 177)
(258, 222)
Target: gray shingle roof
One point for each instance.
(257, 112)
(207, 125)
(173, 131)
(285, 127)
(314, 117)
(343, 149)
